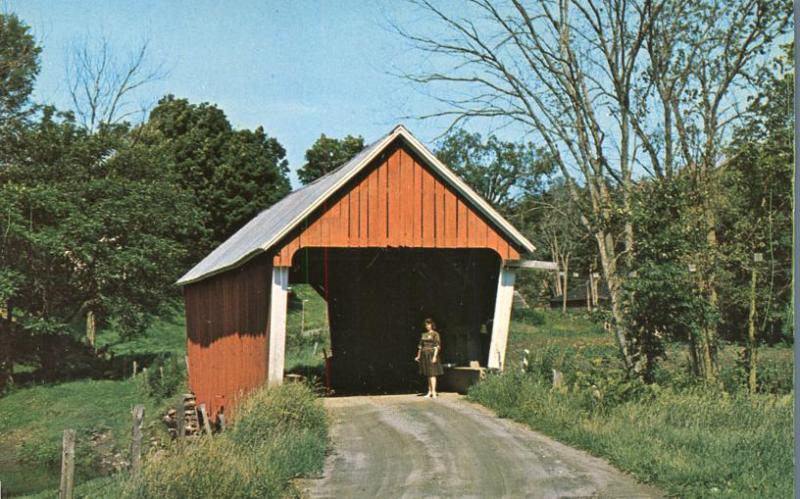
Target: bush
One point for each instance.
(165, 376)
(279, 433)
(529, 316)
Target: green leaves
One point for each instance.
(327, 154)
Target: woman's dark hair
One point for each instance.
(430, 321)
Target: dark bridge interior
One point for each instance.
(378, 298)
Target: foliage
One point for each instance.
(19, 65)
(692, 443)
(166, 376)
(662, 299)
(280, 433)
(756, 213)
(688, 438)
(326, 154)
(233, 174)
(499, 171)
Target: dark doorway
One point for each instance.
(377, 299)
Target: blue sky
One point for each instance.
(297, 68)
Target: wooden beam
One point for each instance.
(502, 317)
(278, 298)
(531, 264)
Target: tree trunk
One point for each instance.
(90, 328)
(564, 286)
(6, 354)
(751, 336)
(605, 244)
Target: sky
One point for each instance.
(298, 69)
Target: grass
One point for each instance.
(305, 329)
(32, 421)
(280, 433)
(32, 418)
(689, 440)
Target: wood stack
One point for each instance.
(191, 421)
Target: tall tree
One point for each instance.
(102, 83)
(755, 220)
(568, 73)
(500, 171)
(93, 226)
(234, 174)
(328, 153)
(19, 66)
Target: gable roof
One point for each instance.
(273, 223)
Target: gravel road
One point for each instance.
(411, 446)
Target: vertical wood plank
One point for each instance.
(417, 204)
(136, 438)
(502, 318)
(461, 223)
(277, 324)
(373, 223)
(363, 208)
(394, 199)
(407, 203)
(428, 210)
(65, 490)
(450, 216)
(380, 216)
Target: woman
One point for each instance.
(430, 345)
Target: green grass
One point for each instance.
(32, 418)
(304, 330)
(280, 433)
(689, 440)
(166, 334)
(32, 421)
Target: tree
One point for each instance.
(756, 219)
(569, 74)
(101, 83)
(19, 66)
(499, 171)
(93, 225)
(328, 153)
(234, 174)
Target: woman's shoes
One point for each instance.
(429, 395)
(435, 396)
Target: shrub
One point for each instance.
(279, 433)
(166, 376)
(529, 316)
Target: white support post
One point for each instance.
(502, 317)
(277, 324)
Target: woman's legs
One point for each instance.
(433, 385)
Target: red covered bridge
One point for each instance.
(387, 239)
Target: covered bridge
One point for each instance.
(387, 239)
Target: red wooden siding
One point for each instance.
(226, 328)
(399, 203)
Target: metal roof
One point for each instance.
(273, 223)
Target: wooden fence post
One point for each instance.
(180, 421)
(67, 465)
(136, 438)
(204, 414)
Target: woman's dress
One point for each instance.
(427, 342)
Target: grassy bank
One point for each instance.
(690, 440)
(280, 433)
(34, 416)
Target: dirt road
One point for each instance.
(410, 446)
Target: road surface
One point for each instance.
(411, 446)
